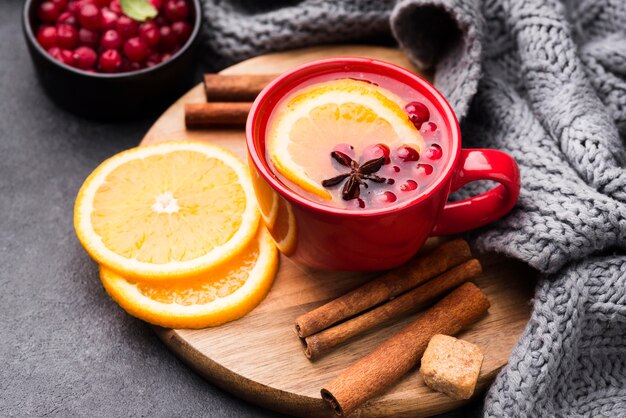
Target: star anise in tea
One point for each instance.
(356, 176)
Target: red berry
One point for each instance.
(160, 20)
(418, 113)
(396, 169)
(67, 36)
(61, 4)
(386, 197)
(90, 16)
(115, 6)
(157, 4)
(88, 37)
(109, 19)
(176, 10)
(128, 66)
(434, 152)
(101, 3)
(126, 27)
(111, 40)
(149, 33)
(136, 49)
(47, 37)
(408, 186)
(67, 18)
(154, 59)
(166, 57)
(48, 11)
(168, 39)
(85, 57)
(64, 55)
(356, 203)
(376, 151)
(425, 169)
(110, 61)
(182, 31)
(428, 128)
(74, 7)
(407, 153)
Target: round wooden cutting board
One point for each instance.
(260, 359)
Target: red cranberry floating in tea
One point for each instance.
(407, 153)
(434, 152)
(408, 186)
(376, 151)
(418, 113)
(386, 197)
(425, 169)
(428, 128)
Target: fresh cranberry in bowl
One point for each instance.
(104, 25)
(94, 59)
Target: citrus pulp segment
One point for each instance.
(166, 211)
(222, 294)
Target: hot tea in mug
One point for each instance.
(356, 140)
(353, 159)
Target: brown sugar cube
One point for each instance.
(451, 366)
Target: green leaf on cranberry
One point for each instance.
(140, 10)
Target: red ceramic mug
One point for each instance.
(332, 238)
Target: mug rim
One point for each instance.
(420, 84)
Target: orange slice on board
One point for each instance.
(166, 211)
(222, 294)
(321, 116)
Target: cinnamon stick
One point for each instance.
(379, 290)
(235, 87)
(392, 359)
(317, 344)
(203, 115)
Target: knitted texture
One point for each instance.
(546, 82)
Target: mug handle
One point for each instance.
(476, 211)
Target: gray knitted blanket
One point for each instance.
(546, 82)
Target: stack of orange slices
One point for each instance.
(175, 229)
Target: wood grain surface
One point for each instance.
(260, 359)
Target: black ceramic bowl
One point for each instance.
(120, 96)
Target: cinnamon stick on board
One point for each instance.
(392, 359)
(235, 87)
(397, 281)
(203, 115)
(317, 344)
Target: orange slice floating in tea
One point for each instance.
(319, 117)
(222, 294)
(166, 211)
